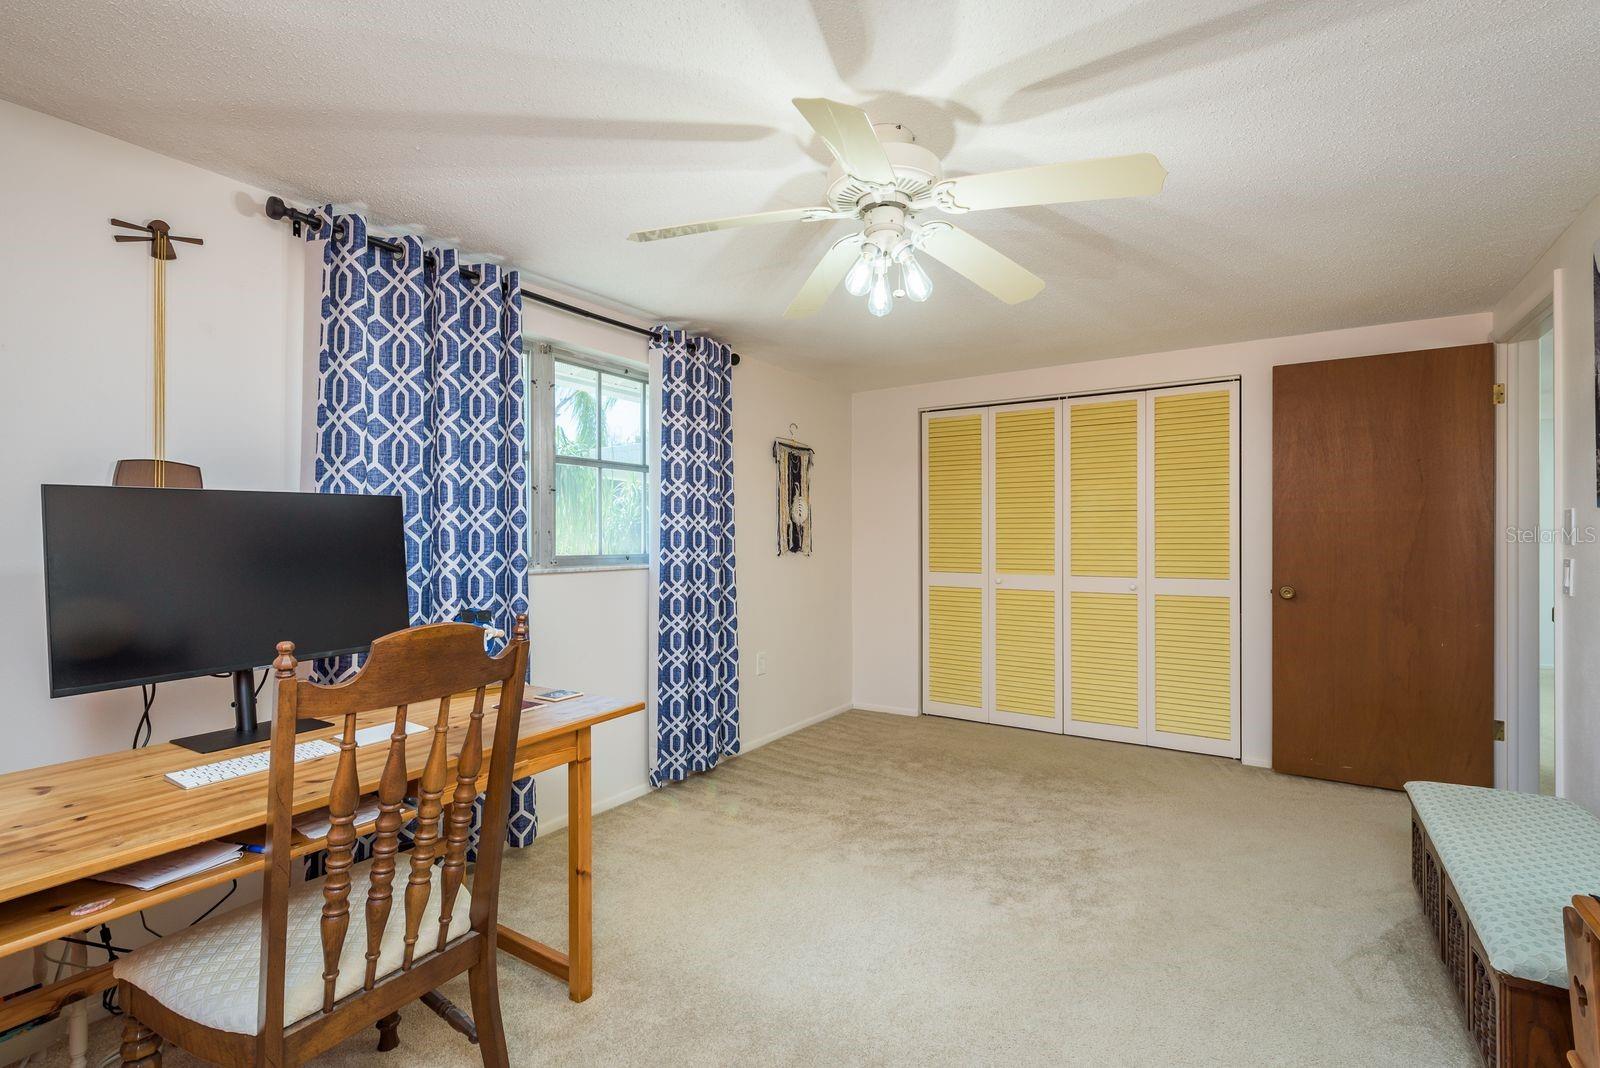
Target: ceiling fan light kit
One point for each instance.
(884, 180)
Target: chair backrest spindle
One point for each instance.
(468, 768)
(391, 794)
(429, 789)
(342, 802)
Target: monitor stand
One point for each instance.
(245, 729)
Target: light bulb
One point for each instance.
(880, 301)
(859, 280)
(918, 285)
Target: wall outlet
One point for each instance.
(761, 663)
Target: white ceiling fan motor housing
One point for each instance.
(916, 172)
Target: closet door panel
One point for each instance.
(1193, 666)
(1025, 514)
(955, 476)
(1104, 618)
(1193, 637)
(955, 646)
(1025, 579)
(1103, 488)
(955, 622)
(1104, 654)
(1025, 650)
(1194, 485)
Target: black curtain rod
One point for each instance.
(278, 209)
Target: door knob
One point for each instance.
(1286, 592)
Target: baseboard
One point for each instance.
(745, 747)
(622, 797)
(886, 708)
(637, 791)
(1256, 762)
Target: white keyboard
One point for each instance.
(383, 732)
(223, 770)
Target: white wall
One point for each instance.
(795, 609)
(1566, 273)
(886, 424)
(75, 349)
(76, 354)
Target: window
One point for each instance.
(587, 429)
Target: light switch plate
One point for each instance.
(761, 663)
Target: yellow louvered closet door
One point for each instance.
(1025, 573)
(1103, 644)
(1194, 569)
(955, 558)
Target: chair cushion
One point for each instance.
(210, 973)
(1515, 861)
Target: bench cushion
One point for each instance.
(1515, 861)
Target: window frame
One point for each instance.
(542, 357)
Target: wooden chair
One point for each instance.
(1581, 924)
(280, 985)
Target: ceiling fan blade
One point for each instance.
(848, 134)
(979, 263)
(759, 219)
(825, 278)
(1139, 175)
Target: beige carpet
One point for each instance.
(885, 890)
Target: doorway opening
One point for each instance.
(1534, 535)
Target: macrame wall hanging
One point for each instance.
(794, 460)
(157, 471)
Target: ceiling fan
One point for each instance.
(887, 181)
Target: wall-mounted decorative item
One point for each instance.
(794, 460)
(156, 471)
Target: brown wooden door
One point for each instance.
(1383, 525)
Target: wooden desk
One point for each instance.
(62, 825)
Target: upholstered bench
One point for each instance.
(1494, 869)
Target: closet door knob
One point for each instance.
(1286, 592)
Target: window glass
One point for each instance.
(577, 531)
(621, 512)
(577, 402)
(622, 427)
(590, 472)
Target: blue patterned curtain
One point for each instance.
(697, 644)
(421, 395)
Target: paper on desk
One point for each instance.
(169, 868)
(317, 823)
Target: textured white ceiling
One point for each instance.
(1333, 162)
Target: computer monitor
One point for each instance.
(151, 585)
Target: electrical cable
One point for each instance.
(231, 888)
(144, 726)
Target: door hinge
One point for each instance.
(1499, 730)
(1499, 392)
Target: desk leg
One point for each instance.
(580, 877)
(78, 1012)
